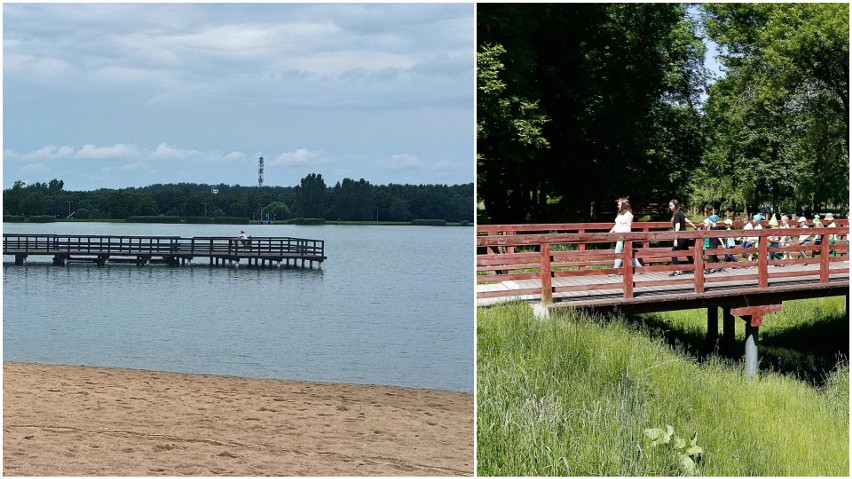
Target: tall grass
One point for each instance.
(571, 396)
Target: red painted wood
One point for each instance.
(546, 289)
(754, 314)
(589, 256)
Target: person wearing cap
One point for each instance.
(679, 221)
(786, 241)
(804, 239)
(751, 241)
(623, 224)
(817, 238)
(712, 242)
(829, 218)
(730, 242)
(774, 241)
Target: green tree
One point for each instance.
(581, 103)
(779, 120)
(353, 200)
(310, 197)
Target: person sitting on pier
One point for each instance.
(244, 239)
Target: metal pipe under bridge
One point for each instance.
(172, 250)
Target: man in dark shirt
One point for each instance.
(679, 221)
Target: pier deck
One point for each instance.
(173, 250)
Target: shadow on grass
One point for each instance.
(808, 352)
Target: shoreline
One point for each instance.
(81, 420)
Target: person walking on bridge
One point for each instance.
(679, 221)
(623, 224)
(804, 238)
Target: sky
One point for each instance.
(129, 95)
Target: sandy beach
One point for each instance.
(80, 421)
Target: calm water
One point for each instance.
(391, 306)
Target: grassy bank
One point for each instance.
(572, 396)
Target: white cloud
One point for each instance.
(405, 161)
(235, 156)
(337, 62)
(93, 152)
(300, 157)
(166, 152)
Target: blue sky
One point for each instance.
(118, 95)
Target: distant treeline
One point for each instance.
(348, 200)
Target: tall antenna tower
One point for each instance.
(260, 172)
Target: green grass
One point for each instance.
(572, 395)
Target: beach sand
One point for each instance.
(78, 421)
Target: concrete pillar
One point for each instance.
(751, 349)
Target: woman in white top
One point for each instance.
(623, 223)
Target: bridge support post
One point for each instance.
(728, 331)
(19, 259)
(753, 316)
(751, 350)
(712, 325)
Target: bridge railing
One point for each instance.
(535, 261)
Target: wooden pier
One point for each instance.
(171, 250)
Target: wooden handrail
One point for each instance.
(511, 256)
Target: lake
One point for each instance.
(392, 305)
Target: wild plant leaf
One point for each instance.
(694, 451)
(658, 436)
(679, 443)
(687, 465)
(694, 440)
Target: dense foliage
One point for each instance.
(579, 104)
(779, 118)
(348, 200)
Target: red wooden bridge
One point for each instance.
(571, 265)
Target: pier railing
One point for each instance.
(171, 248)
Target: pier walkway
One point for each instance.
(172, 250)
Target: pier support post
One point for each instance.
(19, 259)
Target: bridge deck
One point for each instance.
(604, 290)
